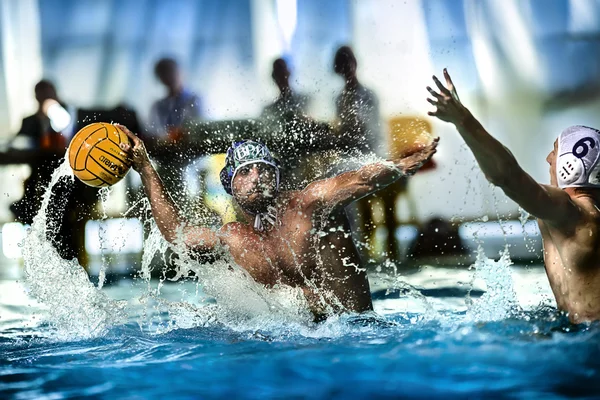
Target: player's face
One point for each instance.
(255, 186)
(551, 159)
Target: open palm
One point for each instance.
(410, 164)
(448, 105)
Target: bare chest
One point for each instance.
(572, 266)
(284, 254)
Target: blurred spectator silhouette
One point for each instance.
(49, 137)
(168, 114)
(47, 132)
(359, 128)
(167, 117)
(288, 102)
(284, 118)
(39, 130)
(357, 108)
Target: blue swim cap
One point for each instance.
(242, 153)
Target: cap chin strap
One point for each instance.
(262, 219)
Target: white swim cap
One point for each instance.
(577, 161)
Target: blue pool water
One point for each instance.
(439, 351)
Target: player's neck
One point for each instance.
(351, 82)
(176, 90)
(285, 90)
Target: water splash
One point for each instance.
(76, 308)
(499, 300)
(225, 295)
(104, 193)
(523, 217)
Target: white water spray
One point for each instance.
(75, 306)
(499, 300)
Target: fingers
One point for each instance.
(433, 102)
(433, 93)
(450, 84)
(122, 127)
(131, 136)
(431, 148)
(430, 151)
(441, 86)
(448, 80)
(126, 152)
(433, 145)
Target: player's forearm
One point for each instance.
(163, 208)
(495, 160)
(354, 185)
(373, 177)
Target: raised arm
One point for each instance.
(167, 217)
(343, 189)
(498, 164)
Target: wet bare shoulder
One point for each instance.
(292, 199)
(309, 197)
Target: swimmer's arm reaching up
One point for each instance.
(171, 225)
(499, 165)
(343, 189)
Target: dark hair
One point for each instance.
(343, 57)
(163, 65)
(44, 84)
(280, 70)
(280, 65)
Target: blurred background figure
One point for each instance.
(50, 126)
(168, 114)
(357, 108)
(166, 120)
(357, 112)
(282, 118)
(48, 131)
(288, 101)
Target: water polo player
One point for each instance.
(566, 210)
(296, 238)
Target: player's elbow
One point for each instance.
(169, 236)
(499, 180)
(505, 175)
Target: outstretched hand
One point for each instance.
(136, 150)
(448, 105)
(411, 162)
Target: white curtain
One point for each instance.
(20, 62)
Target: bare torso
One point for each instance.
(307, 250)
(572, 261)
